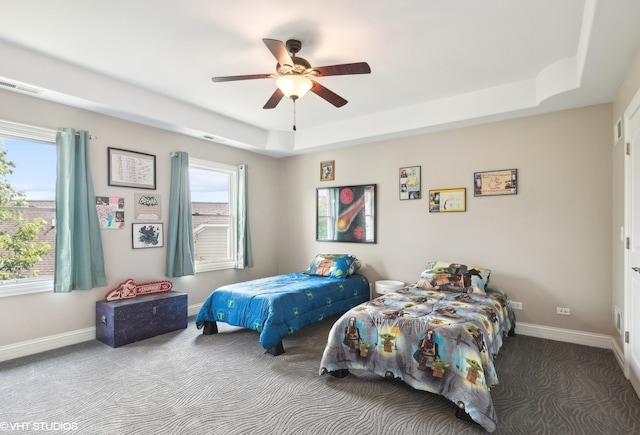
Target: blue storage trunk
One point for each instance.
(129, 320)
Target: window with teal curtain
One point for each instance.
(219, 207)
(180, 248)
(79, 263)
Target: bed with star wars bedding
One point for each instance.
(281, 305)
(439, 335)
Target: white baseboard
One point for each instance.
(194, 309)
(566, 335)
(619, 354)
(43, 344)
(51, 342)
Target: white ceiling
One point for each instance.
(435, 64)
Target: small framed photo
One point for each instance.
(147, 206)
(148, 235)
(447, 200)
(110, 212)
(131, 169)
(491, 183)
(327, 170)
(410, 182)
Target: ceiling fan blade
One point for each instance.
(279, 51)
(274, 99)
(343, 69)
(245, 77)
(328, 95)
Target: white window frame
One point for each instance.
(37, 134)
(207, 266)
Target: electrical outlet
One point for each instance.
(516, 305)
(564, 311)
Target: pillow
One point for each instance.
(442, 275)
(331, 265)
(355, 266)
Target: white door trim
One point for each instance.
(630, 111)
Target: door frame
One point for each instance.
(632, 109)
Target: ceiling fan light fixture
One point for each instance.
(294, 86)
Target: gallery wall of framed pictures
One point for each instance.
(132, 169)
(485, 183)
(410, 185)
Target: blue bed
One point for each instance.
(281, 305)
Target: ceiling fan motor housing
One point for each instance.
(293, 46)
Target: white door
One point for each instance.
(632, 292)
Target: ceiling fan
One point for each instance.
(295, 75)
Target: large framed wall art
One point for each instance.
(131, 169)
(346, 214)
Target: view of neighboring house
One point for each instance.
(210, 224)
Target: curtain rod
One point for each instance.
(92, 137)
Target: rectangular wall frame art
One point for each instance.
(410, 183)
(110, 212)
(147, 207)
(147, 236)
(327, 170)
(447, 200)
(346, 214)
(491, 183)
(131, 169)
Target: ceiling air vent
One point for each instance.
(19, 87)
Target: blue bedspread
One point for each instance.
(281, 305)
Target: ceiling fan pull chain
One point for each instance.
(294, 114)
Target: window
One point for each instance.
(213, 205)
(27, 208)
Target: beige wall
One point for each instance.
(548, 246)
(628, 89)
(34, 316)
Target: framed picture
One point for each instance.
(447, 200)
(110, 212)
(147, 235)
(147, 206)
(131, 169)
(491, 183)
(327, 170)
(410, 182)
(346, 214)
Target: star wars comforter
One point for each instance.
(280, 305)
(441, 342)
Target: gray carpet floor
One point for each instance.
(187, 383)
